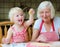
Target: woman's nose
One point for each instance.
(44, 15)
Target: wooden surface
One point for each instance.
(0, 46)
(4, 30)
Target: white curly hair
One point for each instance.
(45, 4)
(13, 11)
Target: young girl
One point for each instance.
(17, 33)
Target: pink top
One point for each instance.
(18, 36)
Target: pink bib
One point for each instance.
(51, 36)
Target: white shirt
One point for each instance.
(56, 22)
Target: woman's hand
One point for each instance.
(41, 38)
(31, 11)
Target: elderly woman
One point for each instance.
(47, 27)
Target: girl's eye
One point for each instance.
(21, 14)
(17, 15)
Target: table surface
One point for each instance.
(52, 44)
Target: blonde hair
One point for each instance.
(45, 4)
(13, 11)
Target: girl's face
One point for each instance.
(45, 14)
(19, 17)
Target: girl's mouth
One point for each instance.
(20, 20)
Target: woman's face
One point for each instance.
(45, 14)
(19, 17)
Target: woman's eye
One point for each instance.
(41, 12)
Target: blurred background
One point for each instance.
(5, 6)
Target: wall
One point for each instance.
(5, 6)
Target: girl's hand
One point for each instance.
(4, 40)
(31, 11)
(41, 38)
